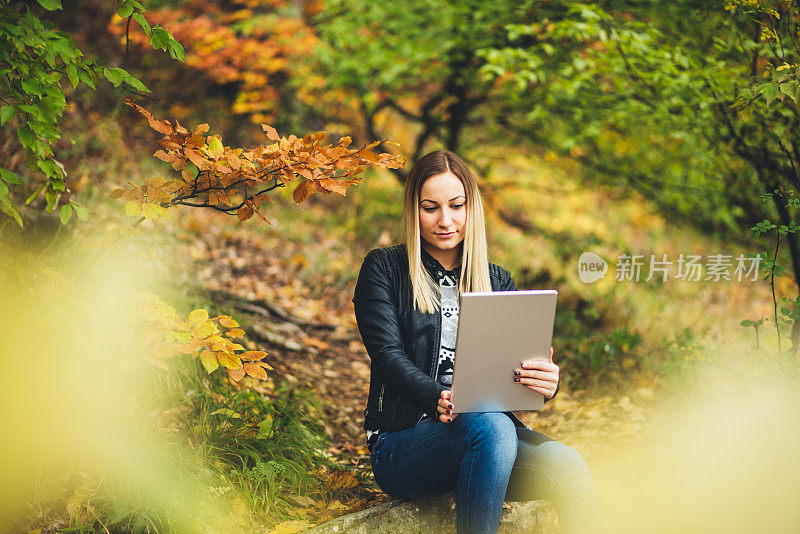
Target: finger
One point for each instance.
(539, 364)
(444, 407)
(444, 418)
(541, 375)
(538, 383)
(551, 353)
(445, 402)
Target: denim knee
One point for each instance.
(561, 460)
(495, 431)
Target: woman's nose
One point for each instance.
(445, 218)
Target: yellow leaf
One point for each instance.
(231, 361)
(215, 148)
(134, 207)
(236, 332)
(149, 211)
(198, 316)
(227, 322)
(216, 342)
(204, 330)
(209, 361)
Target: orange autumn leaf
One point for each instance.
(303, 191)
(256, 371)
(236, 180)
(236, 374)
(253, 355)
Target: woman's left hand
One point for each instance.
(538, 375)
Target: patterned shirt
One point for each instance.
(448, 286)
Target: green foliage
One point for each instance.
(266, 448)
(34, 58)
(416, 58)
(661, 98)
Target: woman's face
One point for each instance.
(442, 212)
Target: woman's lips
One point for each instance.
(444, 236)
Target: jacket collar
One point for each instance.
(433, 265)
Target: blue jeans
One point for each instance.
(485, 459)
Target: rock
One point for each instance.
(436, 515)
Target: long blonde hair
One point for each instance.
(474, 257)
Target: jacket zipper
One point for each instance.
(380, 399)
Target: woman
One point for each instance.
(406, 307)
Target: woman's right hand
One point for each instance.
(445, 407)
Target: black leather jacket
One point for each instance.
(402, 342)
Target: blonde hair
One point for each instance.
(474, 257)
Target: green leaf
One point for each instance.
(770, 93)
(115, 75)
(31, 86)
(72, 74)
(80, 211)
(52, 201)
(35, 194)
(26, 136)
(160, 38)
(139, 18)
(176, 50)
(65, 213)
(788, 89)
(10, 177)
(50, 5)
(11, 211)
(125, 11)
(746, 323)
(6, 112)
(87, 78)
(136, 84)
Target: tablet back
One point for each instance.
(496, 331)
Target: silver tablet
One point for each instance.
(496, 331)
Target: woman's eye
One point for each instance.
(458, 206)
(429, 210)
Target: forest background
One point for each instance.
(179, 347)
